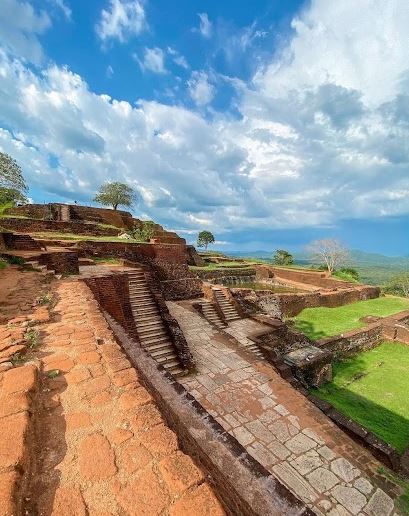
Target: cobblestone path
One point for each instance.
(278, 426)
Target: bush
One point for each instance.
(144, 232)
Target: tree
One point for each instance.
(115, 194)
(283, 257)
(145, 231)
(12, 183)
(399, 285)
(204, 239)
(329, 251)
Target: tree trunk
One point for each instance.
(115, 206)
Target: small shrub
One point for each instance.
(3, 264)
(45, 299)
(53, 373)
(15, 260)
(32, 338)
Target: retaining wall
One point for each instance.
(290, 305)
(45, 226)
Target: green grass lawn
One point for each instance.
(372, 388)
(321, 322)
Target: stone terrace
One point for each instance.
(99, 446)
(278, 426)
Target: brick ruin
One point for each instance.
(190, 397)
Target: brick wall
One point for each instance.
(112, 293)
(315, 278)
(231, 275)
(64, 262)
(42, 226)
(290, 305)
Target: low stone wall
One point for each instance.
(309, 277)
(290, 305)
(64, 262)
(227, 275)
(45, 226)
(361, 339)
(354, 341)
(243, 485)
(51, 211)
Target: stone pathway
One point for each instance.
(278, 426)
(102, 446)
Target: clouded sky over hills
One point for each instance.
(269, 122)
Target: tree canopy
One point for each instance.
(204, 239)
(115, 194)
(12, 184)
(283, 257)
(329, 251)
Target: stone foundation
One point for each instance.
(45, 226)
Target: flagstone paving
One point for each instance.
(278, 426)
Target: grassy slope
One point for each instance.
(72, 236)
(322, 322)
(372, 388)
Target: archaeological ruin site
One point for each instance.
(134, 380)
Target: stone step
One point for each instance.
(136, 305)
(144, 310)
(163, 354)
(171, 363)
(153, 340)
(155, 333)
(148, 320)
(161, 345)
(149, 324)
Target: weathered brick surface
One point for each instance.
(104, 446)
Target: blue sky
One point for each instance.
(270, 123)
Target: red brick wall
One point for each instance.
(112, 293)
(41, 226)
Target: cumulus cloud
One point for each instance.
(178, 58)
(200, 89)
(313, 145)
(121, 20)
(205, 26)
(20, 27)
(153, 60)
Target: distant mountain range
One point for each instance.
(358, 258)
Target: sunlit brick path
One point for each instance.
(277, 425)
(102, 445)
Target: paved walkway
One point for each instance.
(277, 425)
(105, 449)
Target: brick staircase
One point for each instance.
(35, 265)
(210, 313)
(21, 242)
(152, 333)
(229, 311)
(65, 213)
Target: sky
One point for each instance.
(269, 123)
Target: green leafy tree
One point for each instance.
(398, 285)
(283, 257)
(12, 184)
(145, 231)
(115, 194)
(204, 239)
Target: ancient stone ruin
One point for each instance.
(132, 384)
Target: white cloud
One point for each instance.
(201, 91)
(205, 27)
(178, 58)
(153, 60)
(121, 20)
(110, 72)
(312, 145)
(64, 8)
(20, 27)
